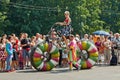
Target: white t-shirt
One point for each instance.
(39, 40)
(64, 55)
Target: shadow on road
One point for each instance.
(54, 71)
(65, 70)
(28, 71)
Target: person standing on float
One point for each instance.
(66, 31)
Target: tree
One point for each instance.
(110, 14)
(34, 16)
(84, 14)
(3, 15)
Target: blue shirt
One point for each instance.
(9, 48)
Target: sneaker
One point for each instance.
(12, 70)
(7, 70)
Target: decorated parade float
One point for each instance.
(45, 55)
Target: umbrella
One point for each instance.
(101, 32)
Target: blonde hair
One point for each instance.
(67, 12)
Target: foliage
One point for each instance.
(3, 15)
(111, 14)
(34, 16)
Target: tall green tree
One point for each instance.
(111, 14)
(39, 15)
(32, 16)
(3, 15)
(85, 14)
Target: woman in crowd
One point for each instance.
(98, 45)
(15, 42)
(107, 49)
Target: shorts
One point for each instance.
(64, 55)
(15, 56)
(25, 53)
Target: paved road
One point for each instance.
(96, 73)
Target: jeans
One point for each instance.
(25, 53)
(9, 60)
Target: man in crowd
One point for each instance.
(116, 43)
(25, 44)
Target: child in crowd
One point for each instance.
(15, 60)
(9, 50)
(3, 54)
(2, 58)
(20, 57)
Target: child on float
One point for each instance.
(72, 54)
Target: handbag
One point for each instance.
(28, 49)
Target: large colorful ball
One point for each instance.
(90, 49)
(44, 56)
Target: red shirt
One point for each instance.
(67, 21)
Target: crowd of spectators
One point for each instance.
(14, 51)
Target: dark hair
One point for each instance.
(98, 38)
(9, 37)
